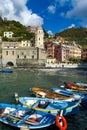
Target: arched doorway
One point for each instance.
(10, 64)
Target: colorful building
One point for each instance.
(69, 50)
(84, 53)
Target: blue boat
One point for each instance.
(51, 105)
(22, 117)
(69, 92)
(6, 70)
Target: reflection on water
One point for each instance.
(23, 79)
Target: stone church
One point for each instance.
(23, 54)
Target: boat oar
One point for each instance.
(20, 119)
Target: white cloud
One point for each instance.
(51, 9)
(17, 10)
(50, 32)
(79, 10)
(62, 2)
(72, 26)
(53, 6)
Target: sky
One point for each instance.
(53, 15)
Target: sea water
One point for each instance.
(22, 80)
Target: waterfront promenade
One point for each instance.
(65, 65)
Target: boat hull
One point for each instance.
(50, 105)
(39, 92)
(75, 87)
(6, 71)
(77, 95)
(84, 101)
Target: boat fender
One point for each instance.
(16, 97)
(61, 122)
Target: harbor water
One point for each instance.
(22, 80)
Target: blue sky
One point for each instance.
(53, 15)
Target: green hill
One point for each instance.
(17, 28)
(75, 34)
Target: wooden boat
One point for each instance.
(25, 118)
(74, 87)
(39, 92)
(50, 105)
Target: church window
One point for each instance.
(12, 52)
(22, 53)
(32, 56)
(25, 56)
(17, 56)
(6, 52)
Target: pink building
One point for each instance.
(84, 53)
(69, 50)
(63, 51)
(52, 49)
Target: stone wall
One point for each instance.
(26, 62)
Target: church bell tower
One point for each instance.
(39, 37)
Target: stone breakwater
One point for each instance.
(65, 65)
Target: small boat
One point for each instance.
(50, 105)
(6, 70)
(21, 117)
(39, 92)
(81, 84)
(68, 92)
(74, 87)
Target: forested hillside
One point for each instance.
(75, 34)
(17, 28)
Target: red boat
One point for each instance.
(74, 87)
